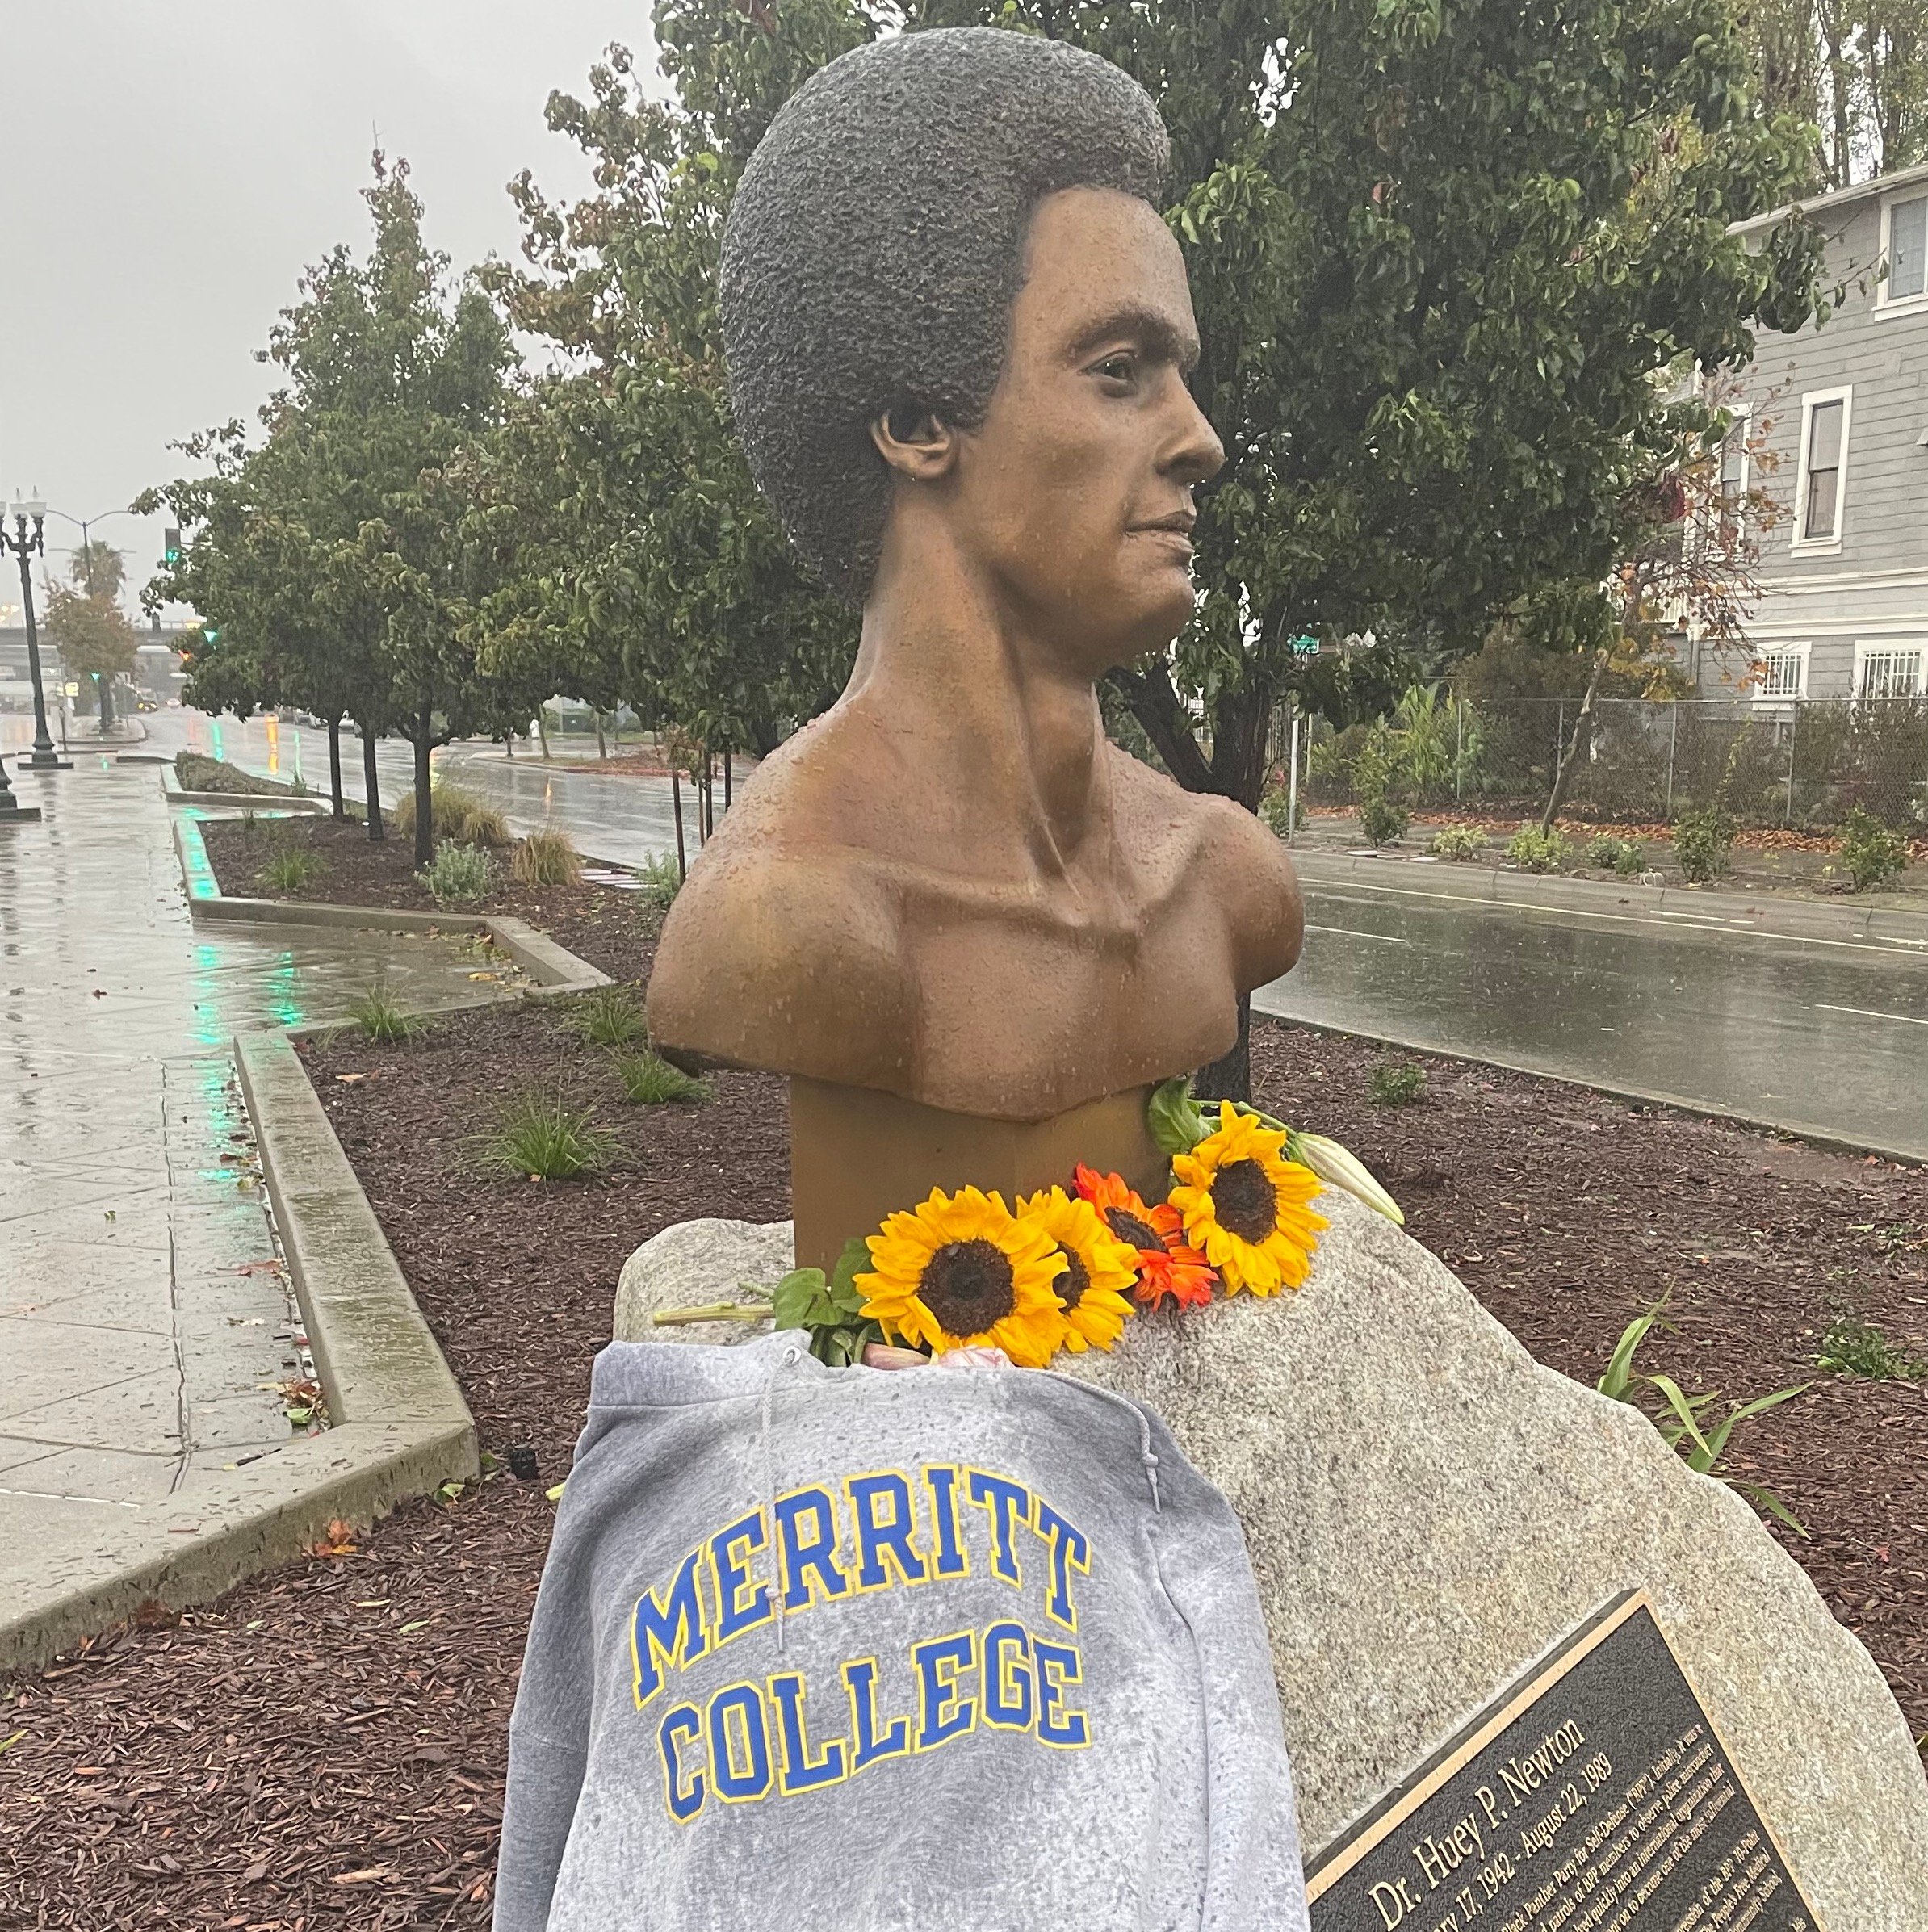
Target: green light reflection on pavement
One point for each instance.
(283, 981)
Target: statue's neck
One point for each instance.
(985, 705)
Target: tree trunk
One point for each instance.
(542, 731)
(1230, 1079)
(334, 768)
(509, 743)
(1582, 733)
(676, 800)
(602, 749)
(372, 788)
(425, 797)
(727, 780)
(1239, 722)
(104, 685)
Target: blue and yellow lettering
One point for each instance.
(949, 1558)
(1057, 1665)
(1006, 1677)
(890, 1538)
(808, 1556)
(943, 1712)
(662, 1633)
(740, 1752)
(798, 1773)
(1069, 1552)
(684, 1800)
(859, 1680)
(1007, 1504)
(733, 1615)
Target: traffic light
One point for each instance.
(170, 547)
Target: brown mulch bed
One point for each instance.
(324, 1747)
(614, 926)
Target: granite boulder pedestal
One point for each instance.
(1428, 1510)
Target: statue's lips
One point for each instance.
(1176, 530)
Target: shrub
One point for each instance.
(651, 1081)
(1622, 856)
(542, 1136)
(661, 880)
(1457, 842)
(1702, 840)
(1532, 850)
(1383, 822)
(1396, 1084)
(458, 875)
(612, 1015)
(483, 825)
(1873, 853)
(381, 1018)
(546, 858)
(1852, 1347)
(293, 871)
(1276, 809)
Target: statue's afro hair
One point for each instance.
(876, 244)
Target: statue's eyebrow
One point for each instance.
(1155, 333)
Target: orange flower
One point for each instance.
(1166, 1265)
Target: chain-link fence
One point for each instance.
(1799, 762)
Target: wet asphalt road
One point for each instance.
(1825, 1037)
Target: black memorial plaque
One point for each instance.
(1593, 1795)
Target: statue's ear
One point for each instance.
(916, 446)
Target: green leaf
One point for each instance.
(854, 1260)
(1701, 1456)
(1177, 1121)
(1618, 1380)
(797, 1299)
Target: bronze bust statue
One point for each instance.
(958, 335)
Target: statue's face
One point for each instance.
(1075, 493)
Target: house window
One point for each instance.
(1733, 507)
(1824, 443)
(1907, 250)
(1889, 671)
(1784, 674)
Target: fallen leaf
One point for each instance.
(368, 1876)
(350, 1079)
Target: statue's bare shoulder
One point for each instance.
(767, 921)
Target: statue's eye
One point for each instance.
(1122, 367)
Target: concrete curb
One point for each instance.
(1736, 912)
(400, 1426)
(556, 969)
(1673, 1102)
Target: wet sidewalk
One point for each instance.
(145, 1323)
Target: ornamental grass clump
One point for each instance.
(458, 875)
(649, 1080)
(1457, 842)
(457, 813)
(1533, 850)
(546, 858)
(291, 870)
(1874, 853)
(381, 1017)
(612, 1015)
(539, 1135)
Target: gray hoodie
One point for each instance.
(954, 1652)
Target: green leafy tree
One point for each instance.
(95, 638)
(638, 562)
(336, 558)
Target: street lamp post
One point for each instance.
(26, 545)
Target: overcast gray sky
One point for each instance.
(168, 168)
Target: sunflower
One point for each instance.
(1099, 1270)
(962, 1270)
(1166, 1265)
(1246, 1205)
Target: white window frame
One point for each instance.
(1742, 423)
(1881, 646)
(1800, 653)
(1812, 400)
(1898, 305)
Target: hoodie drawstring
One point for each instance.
(1148, 1456)
(789, 1356)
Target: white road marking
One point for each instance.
(1386, 939)
(1867, 1012)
